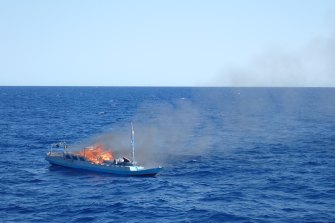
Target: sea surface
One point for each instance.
(229, 154)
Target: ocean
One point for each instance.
(228, 154)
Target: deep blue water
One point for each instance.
(229, 154)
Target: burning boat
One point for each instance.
(97, 158)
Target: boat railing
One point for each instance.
(57, 148)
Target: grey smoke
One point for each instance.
(312, 65)
(162, 130)
(166, 129)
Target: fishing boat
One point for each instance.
(95, 158)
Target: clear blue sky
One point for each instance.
(166, 43)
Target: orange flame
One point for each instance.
(96, 154)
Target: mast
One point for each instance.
(133, 142)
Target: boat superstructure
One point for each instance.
(95, 159)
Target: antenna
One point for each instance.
(133, 142)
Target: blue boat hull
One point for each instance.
(112, 169)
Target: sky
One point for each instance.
(167, 43)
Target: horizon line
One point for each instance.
(165, 86)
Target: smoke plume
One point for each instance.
(310, 66)
(162, 130)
